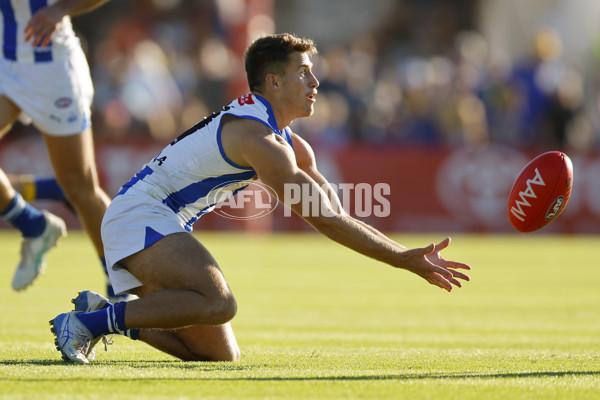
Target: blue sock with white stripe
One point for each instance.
(110, 319)
(23, 216)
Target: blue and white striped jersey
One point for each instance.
(193, 173)
(15, 16)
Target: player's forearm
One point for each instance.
(333, 198)
(357, 236)
(380, 235)
(337, 207)
(332, 221)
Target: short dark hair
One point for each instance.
(270, 54)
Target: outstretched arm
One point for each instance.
(305, 159)
(44, 22)
(276, 164)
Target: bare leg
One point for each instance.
(7, 193)
(15, 182)
(74, 164)
(195, 343)
(8, 115)
(183, 291)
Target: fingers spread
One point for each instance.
(443, 244)
(458, 265)
(455, 282)
(420, 252)
(440, 282)
(427, 250)
(443, 271)
(460, 275)
(447, 278)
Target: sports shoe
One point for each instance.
(33, 251)
(88, 301)
(72, 337)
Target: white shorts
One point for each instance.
(56, 96)
(133, 222)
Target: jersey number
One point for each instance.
(159, 160)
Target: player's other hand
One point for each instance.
(42, 26)
(428, 263)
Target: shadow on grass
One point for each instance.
(137, 364)
(225, 367)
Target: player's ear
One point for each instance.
(273, 81)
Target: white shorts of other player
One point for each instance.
(56, 95)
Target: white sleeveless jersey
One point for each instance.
(186, 180)
(15, 14)
(192, 174)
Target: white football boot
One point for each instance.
(33, 251)
(72, 338)
(88, 301)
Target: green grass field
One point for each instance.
(317, 321)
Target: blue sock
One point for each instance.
(110, 319)
(23, 216)
(47, 188)
(133, 334)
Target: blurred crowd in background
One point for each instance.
(420, 74)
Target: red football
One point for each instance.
(541, 191)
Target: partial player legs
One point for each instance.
(183, 287)
(8, 115)
(40, 187)
(74, 164)
(7, 193)
(184, 306)
(195, 343)
(40, 230)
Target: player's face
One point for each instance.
(299, 88)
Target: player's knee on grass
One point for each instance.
(229, 354)
(215, 343)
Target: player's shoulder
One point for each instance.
(243, 129)
(249, 104)
(253, 106)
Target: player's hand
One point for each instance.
(429, 264)
(42, 25)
